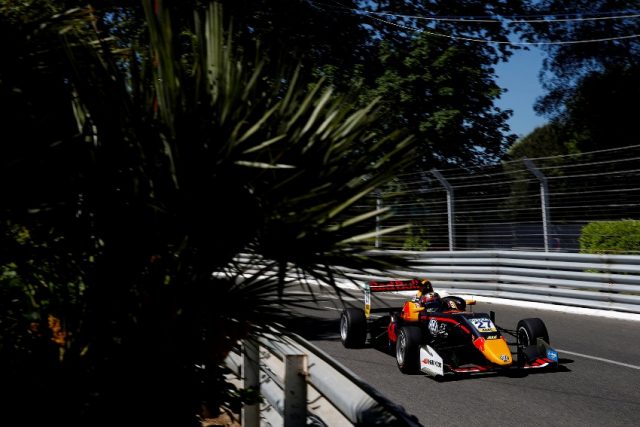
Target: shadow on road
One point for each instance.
(314, 328)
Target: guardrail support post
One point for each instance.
(250, 415)
(295, 390)
(544, 199)
(450, 211)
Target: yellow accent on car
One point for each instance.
(497, 351)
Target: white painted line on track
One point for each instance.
(610, 314)
(601, 359)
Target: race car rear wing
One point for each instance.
(396, 286)
(391, 286)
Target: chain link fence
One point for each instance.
(539, 204)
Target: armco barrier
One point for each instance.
(312, 387)
(582, 280)
(606, 282)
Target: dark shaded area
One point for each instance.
(314, 328)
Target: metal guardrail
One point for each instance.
(581, 280)
(301, 384)
(605, 282)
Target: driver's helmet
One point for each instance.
(430, 301)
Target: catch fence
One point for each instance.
(538, 204)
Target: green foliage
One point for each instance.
(416, 239)
(600, 112)
(611, 237)
(132, 174)
(441, 90)
(569, 63)
(591, 86)
(544, 141)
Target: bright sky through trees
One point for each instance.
(520, 77)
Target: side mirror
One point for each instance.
(470, 302)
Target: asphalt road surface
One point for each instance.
(597, 384)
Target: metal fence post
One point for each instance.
(295, 390)
(250, 415)
(544, 199)
(450, 211)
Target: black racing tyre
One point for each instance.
(353, 328)
(408, 349)
(529, 330)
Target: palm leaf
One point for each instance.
(180, 167)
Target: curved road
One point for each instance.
(598, 383)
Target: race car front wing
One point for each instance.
(540, 355)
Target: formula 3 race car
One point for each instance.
(446, 338)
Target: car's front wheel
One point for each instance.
(529, 330)
(408, 349)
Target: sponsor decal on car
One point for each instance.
(504, 358)
(432, 363)
(492, 337)
(442, 330)
(433, 326)
(483, 325)
(552, 355)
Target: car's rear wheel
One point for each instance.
(408, 349)
(529, 330)
(353, 328)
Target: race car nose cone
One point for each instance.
(496, 351)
